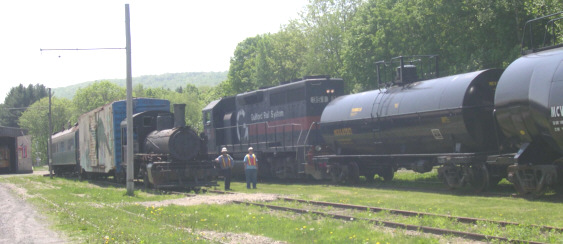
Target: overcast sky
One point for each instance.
(167, 37)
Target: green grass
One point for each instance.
(93, 213)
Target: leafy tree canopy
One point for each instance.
(17, 100)
(96, 95)
(35, 120)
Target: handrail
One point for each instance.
(528, 26)
(268, 127)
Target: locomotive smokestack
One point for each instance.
(179, 115)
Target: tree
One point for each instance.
(36, 120)
(17, 100)
(324, 25)
(96, 95)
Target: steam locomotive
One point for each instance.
(478, 127)
(167, 152)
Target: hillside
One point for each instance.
(171, 81)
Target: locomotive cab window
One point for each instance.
(206, 120)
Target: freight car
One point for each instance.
(479, 127)
(278, 122)
(413, 124)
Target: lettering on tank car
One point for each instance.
(343, 132)
(556, 111)
(355, 111)
(493, 85)
(556, 118)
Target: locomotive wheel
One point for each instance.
(453, 176)
(146, 181)
(369, 177)
(479, 177)
(387, 173)
(353, 173)
(494, 180)
(335, 173)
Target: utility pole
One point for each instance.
(50, 146)
(129, 176)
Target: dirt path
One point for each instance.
(20, 223)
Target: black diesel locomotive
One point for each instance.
(278, 122)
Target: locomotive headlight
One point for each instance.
(332, 91)
(327, 91)
(318, 148)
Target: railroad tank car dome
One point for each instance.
(409, 74)
(528, 99)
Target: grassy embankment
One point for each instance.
(90, 213)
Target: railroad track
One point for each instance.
(467, 220)
(395, 225)
(390, 224)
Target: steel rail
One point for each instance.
(468, 220)
(432, 230)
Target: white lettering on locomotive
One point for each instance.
(266, 115)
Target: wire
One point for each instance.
(80, 49)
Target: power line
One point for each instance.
(81, 49)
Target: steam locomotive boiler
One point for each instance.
(168, 153)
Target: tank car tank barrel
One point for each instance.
(179, 115)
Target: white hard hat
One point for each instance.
(224, 149)
(250, 148)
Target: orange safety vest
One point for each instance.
(228, 163)
(251, 159)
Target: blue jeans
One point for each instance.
(251, 176)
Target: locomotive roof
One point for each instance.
(301, 82)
